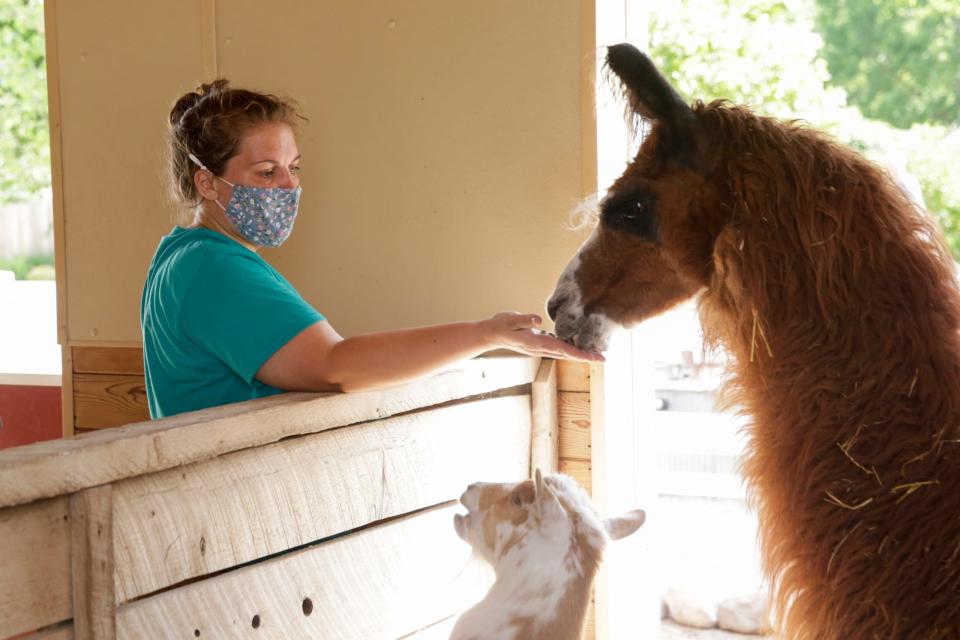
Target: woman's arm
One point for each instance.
(318, 359)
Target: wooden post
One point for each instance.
(94, 603)
(544, 446)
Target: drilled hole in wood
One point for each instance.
(256, 621)
(196, 632)
(307, 606)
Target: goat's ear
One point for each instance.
(622, 526)
(538, 482)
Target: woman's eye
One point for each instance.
(267, 174)
(294, 169)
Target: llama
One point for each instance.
(544, 540)
(836, 298)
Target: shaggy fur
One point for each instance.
(838, 301)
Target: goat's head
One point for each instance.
(548, 518)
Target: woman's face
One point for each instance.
(268, 157)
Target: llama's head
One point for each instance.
(548, 521)
(651, 247)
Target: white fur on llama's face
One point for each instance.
(588, 332)
(541, 537)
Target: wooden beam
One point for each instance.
(382, 582)
(56, 467)
(91, 533)
(55, 121)
(598, 492)
(579, 470)
(105, 401)
(184, 523)
(106, 360)
(34, 566)
(62, 631)
(574, 425)
(573, 376)
(545, 439)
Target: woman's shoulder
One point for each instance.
(199, 246)
(188, 254)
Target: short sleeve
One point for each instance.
(238, 309)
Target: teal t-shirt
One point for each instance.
(212, 312)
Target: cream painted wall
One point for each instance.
(442, 155)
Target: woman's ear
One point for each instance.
(206, 184)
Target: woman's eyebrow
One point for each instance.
(273, 161)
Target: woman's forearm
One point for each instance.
(394, 357)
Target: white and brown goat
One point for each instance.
(545, 541)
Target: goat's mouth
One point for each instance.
(460, 526)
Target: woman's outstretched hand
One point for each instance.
(521, 332)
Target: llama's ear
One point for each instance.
(538, 482)
(650, 95)
(622, 526)
(653, 98)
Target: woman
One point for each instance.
(221, 325)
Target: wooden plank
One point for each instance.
(105, 401)
(51, 40)
(438, 631)
(599, 616)
(192, 521)
(573, 376)
(91, 533)
(55, 467)
(34, 566)
(66, 392)
(103, 360)
(381, 582)
(574, 425)
(62, 631)
(544, 447)
(579, 470)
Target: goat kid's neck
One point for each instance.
(535, 597)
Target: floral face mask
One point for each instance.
(263, 216)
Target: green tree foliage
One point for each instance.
(769, 55)
(899, 60)
(754, 52)
(25, 142)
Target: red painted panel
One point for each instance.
(29, 414)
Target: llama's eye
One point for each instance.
(516, 499)
(634, 215)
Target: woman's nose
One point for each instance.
(288, 180)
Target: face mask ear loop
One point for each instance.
(197, 162)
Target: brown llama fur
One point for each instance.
(838, 302)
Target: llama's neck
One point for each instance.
(533, 597)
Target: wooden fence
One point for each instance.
(295, 516)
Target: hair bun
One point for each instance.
(189, 100)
